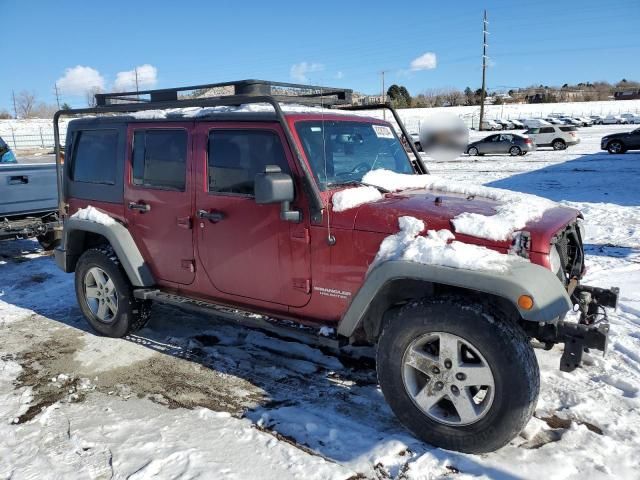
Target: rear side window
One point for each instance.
(236, 156)
(160, 159)
(547, 130)
(568, 129)
(94, 157)
(533, 131)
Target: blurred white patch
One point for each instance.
(443, 136)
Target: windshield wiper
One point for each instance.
(359, 183)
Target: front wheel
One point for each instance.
(515, 151)
(615, 147)
(105, 294)
(456, 376)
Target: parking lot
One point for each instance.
(163, 399)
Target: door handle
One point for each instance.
(18, 179)
(141, 207)
(213, 216)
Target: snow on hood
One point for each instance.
(513, 212)
(435, 249)
(93, 215)
(354, 197)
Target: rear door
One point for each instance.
(158, 197)
(546, 135)
(246, 249)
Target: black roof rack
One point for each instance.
(280, 91)
(236, 93)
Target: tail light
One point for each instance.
(573, 134)
(527, 141)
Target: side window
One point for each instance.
(160, 159)
(236, 156)
(547, 130)
(94, 157)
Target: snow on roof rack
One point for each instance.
(280, 91)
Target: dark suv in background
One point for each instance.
(621, 142)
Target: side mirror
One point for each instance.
(273, 186)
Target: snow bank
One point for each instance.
(513, 211)
(435, 249)
(354, 197)
(94, 215)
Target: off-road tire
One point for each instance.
(132, 314)
(515, 151)
(615, 146)
(473, 151)
(559, 144)
(503, 344)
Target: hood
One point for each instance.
(437, 210)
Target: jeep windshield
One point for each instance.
(342, 152)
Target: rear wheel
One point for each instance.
(457, 377)
(473, 151)
(105, 294)
(515, 151)
(615, 147)
(559, 144)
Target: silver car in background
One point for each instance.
(502, 143)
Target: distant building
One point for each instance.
(628, 94)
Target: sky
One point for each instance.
(423, 45)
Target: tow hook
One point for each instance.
(576, 338)
(592, 329)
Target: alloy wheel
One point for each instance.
(101, 295)
(448, 379)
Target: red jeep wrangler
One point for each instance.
(231, 203)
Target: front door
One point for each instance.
(245, 248)
(158, 198)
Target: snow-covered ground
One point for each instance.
(191, 397)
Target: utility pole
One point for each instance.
(383, 97)
(55, 86)
(137, 89)
(15, 110)
(484, 67)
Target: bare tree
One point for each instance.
(91, 96)
(4, 115)
(25, 101)
(43, 110)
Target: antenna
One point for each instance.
(383, 96)
(331, 240)
(55, 86)
(485, 32)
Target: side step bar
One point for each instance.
(281, 328)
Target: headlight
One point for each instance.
(554, 260)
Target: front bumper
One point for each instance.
(591, 331)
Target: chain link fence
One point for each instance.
(43, 138)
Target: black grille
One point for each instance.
(569, 245)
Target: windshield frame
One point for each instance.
(332, 184)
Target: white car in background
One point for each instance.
(554, 121)
(559, 137)
(517, 124)
(614, 120)
(571, 121)
(631, 117)
(535, 122)
(491, 125)
(597, 119)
